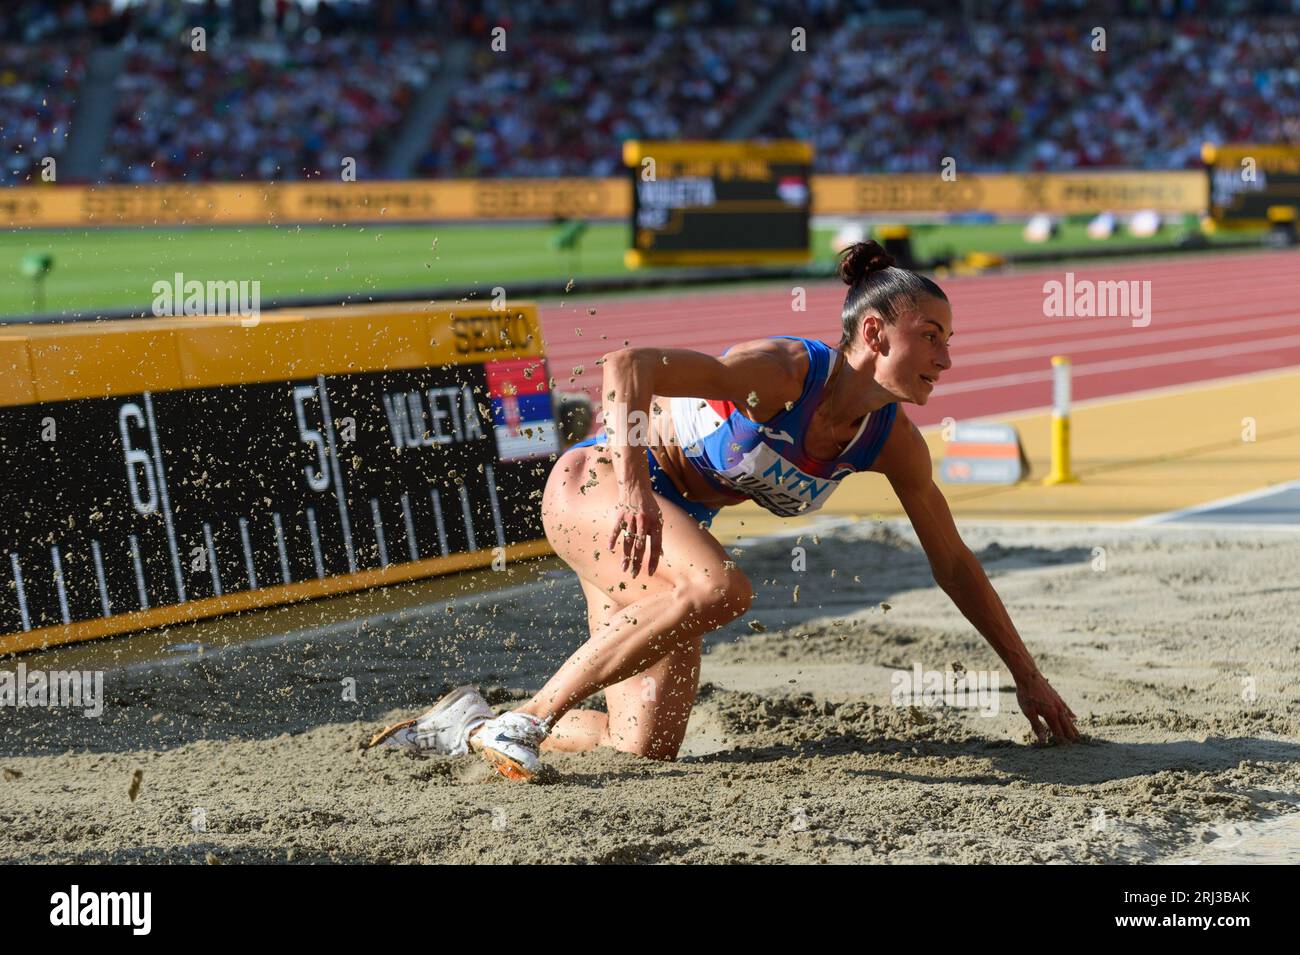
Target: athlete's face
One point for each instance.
(913, 353)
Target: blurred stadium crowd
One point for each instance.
(260, 109)
(1037, 96)
(286, 91)
(563, 105)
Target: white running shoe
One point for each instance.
(511, 743)
(444, 730)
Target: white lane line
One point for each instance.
(379, 531)
(1119, 364)
(1221, 502)
(1118, 341)
(279, 544)
(339, 491)
(437, 519)
(1026, 324)
(248, 554)
(469, 517)
(212, 559)
(967, 292)
(1141, 394)
(317, 558)
(98, 557)
(139, 572)
(496, 505)
(59, 584)
(412, 547)
(1043, 330)
(1237, 529)
(166, 498)
(22, 592)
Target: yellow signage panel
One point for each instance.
(1011, 194)
(313, 202)
(586, 198)
(63, 361)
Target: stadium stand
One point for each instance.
(563, 105)
(1149, 101)
(286, 92)
(38, 85)
(256, 110)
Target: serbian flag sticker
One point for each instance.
(522, 416)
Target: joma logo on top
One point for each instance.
(1084, 298)
(194, 298)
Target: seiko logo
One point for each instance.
(491, 333)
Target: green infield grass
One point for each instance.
(116, 268)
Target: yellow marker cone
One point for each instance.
(1061, 473)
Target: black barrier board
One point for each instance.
(132, 502)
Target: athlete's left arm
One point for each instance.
(905, 460)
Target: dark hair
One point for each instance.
(876, 284)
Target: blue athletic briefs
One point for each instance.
(663, 485)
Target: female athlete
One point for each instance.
(780, 421)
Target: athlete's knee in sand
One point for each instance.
(695, 586)
(646, 714)
(649, 714)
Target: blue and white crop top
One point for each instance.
(768, 462)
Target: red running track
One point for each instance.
(1212, 316)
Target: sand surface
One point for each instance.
(1178, 649)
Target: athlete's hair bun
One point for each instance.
(861, 259)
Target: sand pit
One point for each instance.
(1178, 649)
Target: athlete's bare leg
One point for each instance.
(648, 711)
(580, 730)
(649, 644)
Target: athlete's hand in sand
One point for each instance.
(637, 516)
(1043, 705)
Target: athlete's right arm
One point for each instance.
(760, 376)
